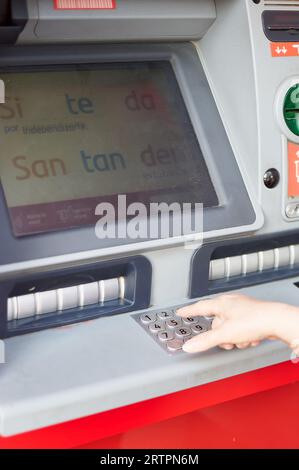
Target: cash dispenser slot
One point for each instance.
(243, 263)
(13, 18)
(63, 299)
(75, 294)
(281, 26)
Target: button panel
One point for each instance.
(171, 331)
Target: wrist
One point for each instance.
(285, 323)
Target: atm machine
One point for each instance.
(160, 101)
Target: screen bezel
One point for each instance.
(235, 212)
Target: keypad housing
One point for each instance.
(169, 330)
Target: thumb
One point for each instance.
(203, 342)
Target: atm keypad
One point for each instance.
(171, 331)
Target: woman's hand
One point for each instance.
(242, 321)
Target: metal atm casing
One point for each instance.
(104, 378)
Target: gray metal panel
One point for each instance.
(62, 374)
(245, 80)
(131, 20)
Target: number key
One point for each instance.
(198, 328)
(182, 332)
(165, 336)
(148, 318)
(164, 315)
(173, 323)
(189, 321)
(156, 327)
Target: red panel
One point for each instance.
(90, 429)
(264, 420)
(84, 4)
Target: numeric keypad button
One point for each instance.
(173, 323)
(148, 318)
(156, 327)
(198, 328)
(165, 336)
(182, 332)
(164, 315)
(189, 321)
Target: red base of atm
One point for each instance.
(258, 409)
(264, 420)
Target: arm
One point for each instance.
(243, 321)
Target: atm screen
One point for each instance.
(74, 136)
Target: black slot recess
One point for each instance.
(136, 270)
(200, 285)
(281, 25)
(13, 18)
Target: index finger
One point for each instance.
(204, 308)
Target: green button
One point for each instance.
(291, 109)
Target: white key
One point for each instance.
(233, 266)
(122, 287)
(26, 306)
(12, 309)
(250, 263)
(46, 302)
(284, 256)
(111, 289)
(10, 314)
(67, 298)
(217, 269)
(88, 294)
(296, 254)
(268, 259)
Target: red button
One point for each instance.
(293, 156)
(84, 4)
